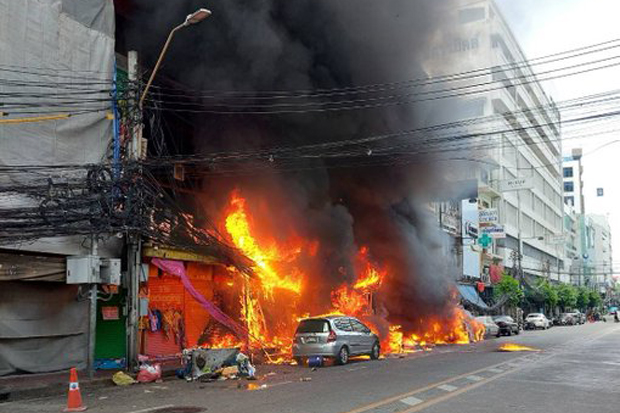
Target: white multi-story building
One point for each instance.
(573, 181)
(524, 142)
(599, 259)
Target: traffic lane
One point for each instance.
(335, 389)
(330, 389)
(579, 376)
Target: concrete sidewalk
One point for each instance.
(29, 386)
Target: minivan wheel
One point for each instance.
(376, 350)
(343, 356)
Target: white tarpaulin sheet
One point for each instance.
(56, 57)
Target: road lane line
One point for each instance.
(527, 362)
(411, 401)
(447, 387)
(449, 396)
(420, 390)
(495, 370)
(357, 368)
(474, 378)
(150, 409)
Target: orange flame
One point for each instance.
(238, 226)
(516, 347)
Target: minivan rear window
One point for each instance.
(313, 326)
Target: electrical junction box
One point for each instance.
(111, 271)
(83, 269)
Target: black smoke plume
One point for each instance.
(372, 194)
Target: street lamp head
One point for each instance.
(197, 16)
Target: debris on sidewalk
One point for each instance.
(305, 379)
(149, 373)
(123, 379)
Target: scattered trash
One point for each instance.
(206, 362)
(271, 373)
(148, 373)
(246, 369)
(123, 379)
(103, 397)
(148, 391)
(254, 386)
(515, 347)
(305, 379)
(231, 372)
(313, 369)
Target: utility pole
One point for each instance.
(92, 322)
(134, 251)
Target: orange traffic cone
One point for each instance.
(74, 401)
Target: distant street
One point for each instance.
(577, 370)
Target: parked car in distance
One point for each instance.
(338, 337)
(567, 319)
(491, 328)
(538, 320)
(507, 325)
(578, 317)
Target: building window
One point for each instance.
(568, 172)
(569, 200)
(472, 15)
(569, 187)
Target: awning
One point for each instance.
(469, 293)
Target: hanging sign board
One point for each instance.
(488, 216)
(494, 231)
(516, 184)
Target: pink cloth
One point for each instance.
(177, 268)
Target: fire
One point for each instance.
(238, 226)
(348, 301)
(272, 303)
(371, 277)
(225, 341)
(515, 347)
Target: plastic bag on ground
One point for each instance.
(149, 374)
(122, 379)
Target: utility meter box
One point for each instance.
(111, 271)
(83, 269)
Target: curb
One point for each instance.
(9, 394)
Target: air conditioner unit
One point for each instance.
(83, 269)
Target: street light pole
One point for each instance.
(194, 18)
(134, 259)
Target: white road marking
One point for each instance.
(496, 370)
(411, 401)
(447, 387)
(150, 409)
(357, 368)
(474, 378)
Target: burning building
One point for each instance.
(303, 135)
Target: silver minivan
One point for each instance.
(335, 336)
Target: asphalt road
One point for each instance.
(577, 370)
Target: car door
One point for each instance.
(362, 336)
(345, 332)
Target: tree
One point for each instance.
(567, 296)
(583, 298)
(550, 295)
(595, 300)
(510, 288)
